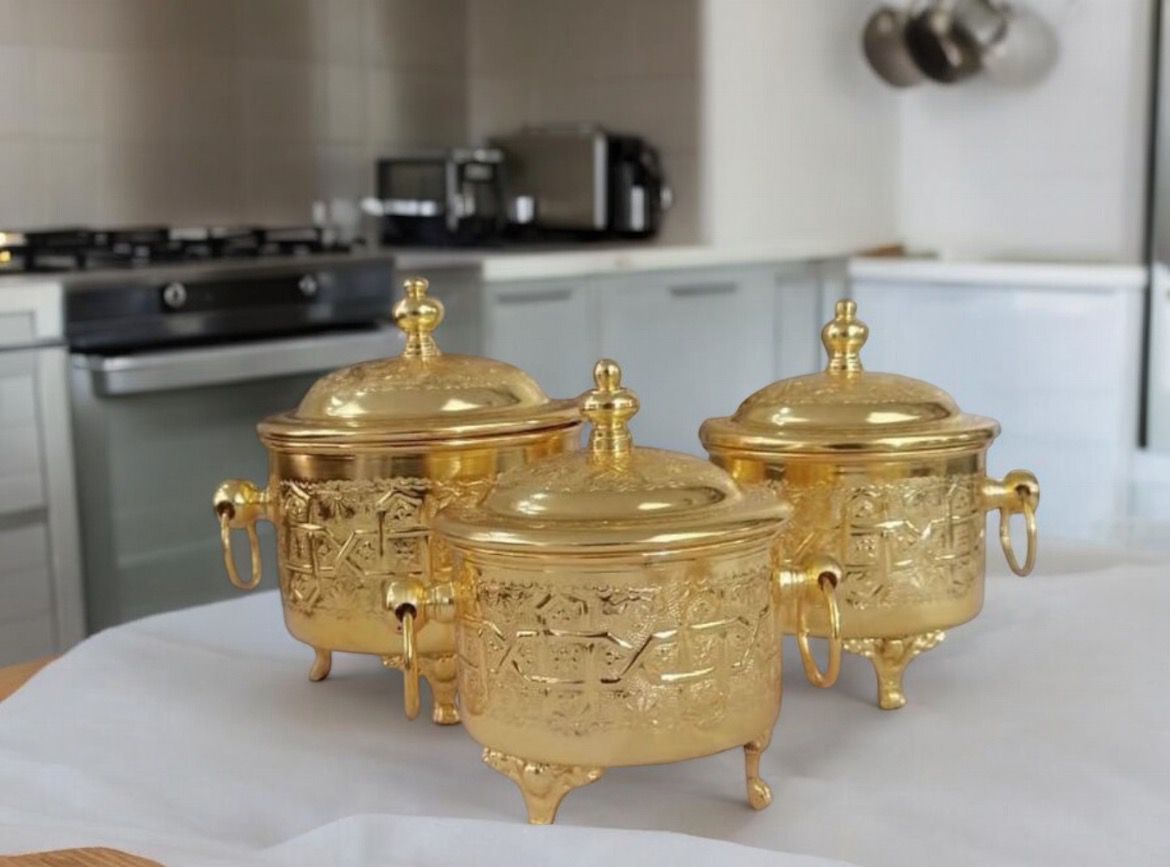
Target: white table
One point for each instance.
(1039, 734)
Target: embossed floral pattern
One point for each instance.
(341, 540)
(899, 542)
(688, 646)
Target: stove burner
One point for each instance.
(86, 249)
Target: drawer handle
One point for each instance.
(702, 289)
(535, 297)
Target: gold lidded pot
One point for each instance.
(619, 606)
(356, 475)
(886, 474)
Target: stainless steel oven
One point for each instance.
(179, 341)
(153, 431)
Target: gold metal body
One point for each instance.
(885, 474)
(621, 606)
(356, 476)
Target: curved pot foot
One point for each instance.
(542, 785)
(890, 656)
(440, 672)
(759, 793)
(322, 664)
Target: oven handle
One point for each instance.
(114, 376)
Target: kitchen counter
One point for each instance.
(928, 272)
(529, 263)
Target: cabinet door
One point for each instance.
(1055, 366)
(21, 484)
(800, 292)
(692, 344)
(546, 327)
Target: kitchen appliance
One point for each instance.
(619, 606)
(177, 339)
(56, 250)
(884, 44)
(357, 473)
(580, 181)
(885, 474)
(949, 39)
(453, 196)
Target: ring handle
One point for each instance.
(239, 505)
(414, 604)
(1017, 494)
(410, 685)
(813, 581)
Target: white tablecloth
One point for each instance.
(1038, 734)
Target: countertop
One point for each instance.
(1037, 734)
(32, 305)
(497, 263)
(1057, 275)
(528, 263)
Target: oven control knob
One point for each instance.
(174, 295)
(309, 286)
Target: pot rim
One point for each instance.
(286, 432)
(658, 542)
(961, 434)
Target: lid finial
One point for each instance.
(609, 407)
(418, 315)
(843, 339)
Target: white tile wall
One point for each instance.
(125, 111)
(632, 65)
(1052, 171)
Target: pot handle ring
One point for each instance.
(1017, 493)
(413, 605)
(819, 576)
(239, 505)
(410, 685)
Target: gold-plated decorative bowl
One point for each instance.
(888, 476)
(357, 473)
(619, 606)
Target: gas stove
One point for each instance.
(144, 288)
(69, 249)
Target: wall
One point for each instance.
(1052, 171)
(799, 140)
(631, 65)
(188, 111)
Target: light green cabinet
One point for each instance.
(692, 342)
(546, 327)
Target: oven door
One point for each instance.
(155, 433)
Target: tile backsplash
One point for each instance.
(632, 65)
(188, 111)
(222, 111)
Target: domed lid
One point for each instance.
(613, 494)
(419, 395)
(846, 408)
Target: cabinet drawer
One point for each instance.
(691, 344)
(21, 485)
(27, 638)
(548, 328)
(24, 571)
